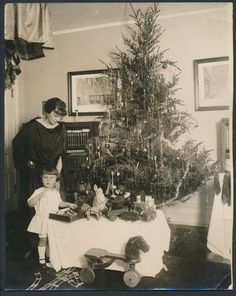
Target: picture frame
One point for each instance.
(89, 92)
(211, 84)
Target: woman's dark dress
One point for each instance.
(34, 148)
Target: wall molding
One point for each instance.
(116, 24)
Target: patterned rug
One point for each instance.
(182, 274)
(70, 277)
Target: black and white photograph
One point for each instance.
(118, 150)
(90, 92)
(212, 83)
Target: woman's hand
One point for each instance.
(59, 165)
(57, 185)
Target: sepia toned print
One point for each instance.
(118, 146)
(90, 91)
(212, 83)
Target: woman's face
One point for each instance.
(53, 117)
(49, 180)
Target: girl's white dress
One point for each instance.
(49, 203)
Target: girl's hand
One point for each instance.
(65, 204)
(72, 206)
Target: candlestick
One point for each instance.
(155, 160)
(76, 114)
(112, 185)
(112, 178)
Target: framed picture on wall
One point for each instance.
(212, 83)
(90, 92)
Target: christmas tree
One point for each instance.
(136, 147)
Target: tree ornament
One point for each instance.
(164, 65)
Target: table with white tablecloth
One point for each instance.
(68, 242)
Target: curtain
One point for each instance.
(27, 32)
(30, 22)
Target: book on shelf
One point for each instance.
(74, 161)
(77, 138)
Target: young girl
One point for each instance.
(45, 200)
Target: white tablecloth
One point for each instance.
(68, 242)
(219, 239)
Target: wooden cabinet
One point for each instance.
(76, 160)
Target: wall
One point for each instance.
(188, 37)
(80, 51)
(199, 36)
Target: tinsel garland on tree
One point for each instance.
(136, 146)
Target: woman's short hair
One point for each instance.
(50, 171)
(55, 104)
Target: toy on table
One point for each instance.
(146, 209)
(88, 211)
(119, 198)
(99, 199)
(99, 204)
(113, 214)
(100, 259)
(130, 216)
(67, 214)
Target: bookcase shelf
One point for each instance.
(77, 136)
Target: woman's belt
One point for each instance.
(32, 164)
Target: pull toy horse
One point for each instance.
(100, 259)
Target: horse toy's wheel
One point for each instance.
(131, 278)
(87, 275)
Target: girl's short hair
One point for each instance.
(50, 171)
(55, 104)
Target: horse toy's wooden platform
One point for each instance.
(100, 259)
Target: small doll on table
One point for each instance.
(45, 200)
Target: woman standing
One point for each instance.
(40, 143)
